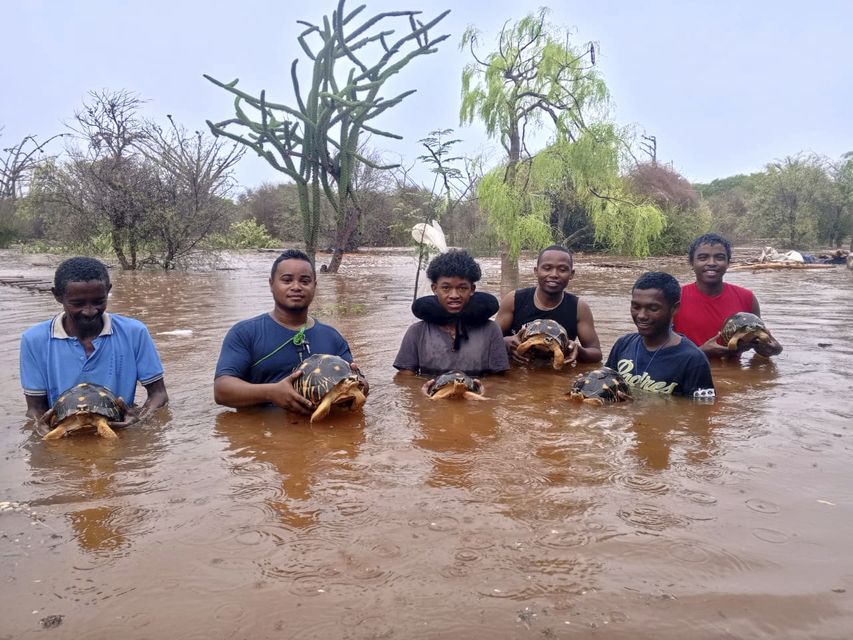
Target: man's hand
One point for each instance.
(624, 397)
(42, 423)
(570, 354)
(713, 349)
(511, 343)
(286, 397)
(427, 386)
(132, 415)
(358, 371)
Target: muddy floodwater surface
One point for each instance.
(521, 517)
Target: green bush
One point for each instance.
(10, 228)
(246, 234)
(680, 230)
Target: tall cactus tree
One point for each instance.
(316, 141)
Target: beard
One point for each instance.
(88, 325)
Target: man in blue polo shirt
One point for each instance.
(259, 354)
(84, 343)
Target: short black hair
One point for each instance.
(664, 282)
(555, 247)
(709, 238)
(79, 269)
(292, 254)
(455, 262)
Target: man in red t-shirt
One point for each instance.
(706, 303)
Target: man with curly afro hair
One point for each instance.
(454, 332)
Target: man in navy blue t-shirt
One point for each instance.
(259, 354)
(656, 358)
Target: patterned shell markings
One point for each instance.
(601, 386)
(327, 380)
(544, 336)
(743, 326)
(84, 405)
(455, 384)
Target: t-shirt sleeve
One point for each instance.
(343, 348)
(498, 357)
(407, 357)
(149, 368)
(697, 380)
(235, 358)
(33, 373)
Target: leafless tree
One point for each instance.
(194, 180)
(106, 180)
(17, 164)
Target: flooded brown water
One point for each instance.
(521, 517)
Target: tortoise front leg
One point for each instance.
(442, 393)
(358, 399)
(104, 429)
(523, 348)
(322, 409)
(559, 357)
(55, 434)
(733, 341)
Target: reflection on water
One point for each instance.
(525, 514)
(264, 439)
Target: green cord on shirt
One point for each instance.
(298, 339)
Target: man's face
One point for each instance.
(710, 262)
(651, 312)
(554, 271)
(84, 303)
(453, 292)
(293, 285)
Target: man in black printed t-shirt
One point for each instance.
(656, 358)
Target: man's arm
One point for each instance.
(767, 349)
(157, 397)
(36, 409)
(506, 311)
(590, 346)
(234, 392)
(713, 349)
(36, 406)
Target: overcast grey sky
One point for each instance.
(726, 86)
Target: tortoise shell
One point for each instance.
(84, 405)
(86, 398)
(601, 386)
(454, 379)
(328, 380)
(545, 337)
(743, 326)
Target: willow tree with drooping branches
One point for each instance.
(537, 80)
(316, 142)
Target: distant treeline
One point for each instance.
(163, 196)
(802, 201)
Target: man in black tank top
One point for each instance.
(549, 300)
